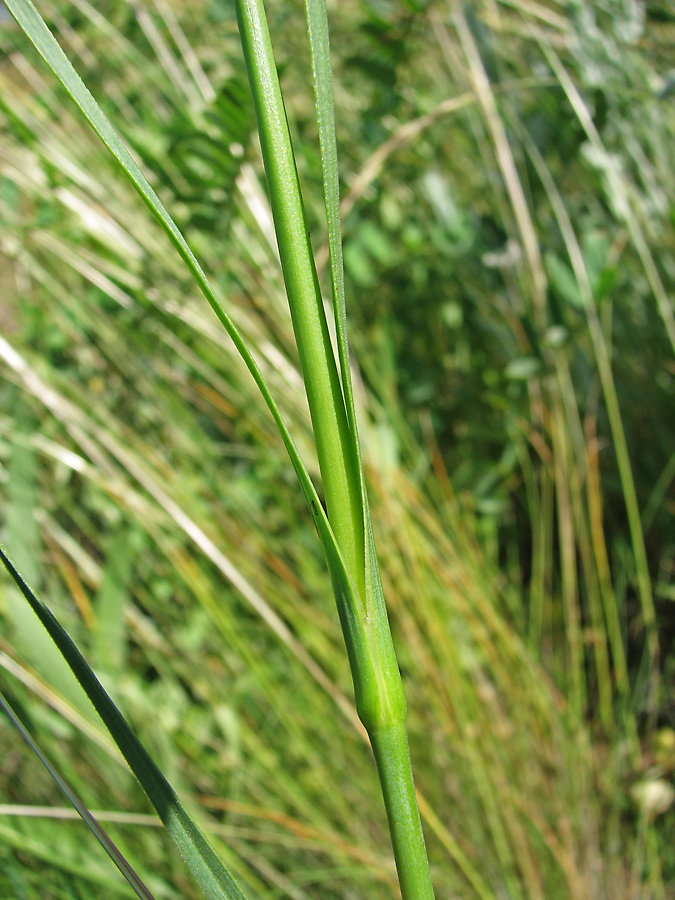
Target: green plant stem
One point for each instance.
(339, 468)
(377, 682)
(392, 755)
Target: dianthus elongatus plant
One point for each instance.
(344, 527)
(377, 683)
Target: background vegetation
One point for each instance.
(508, 173)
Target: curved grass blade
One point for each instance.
(378, 689)
(88, 819)
(30, 21)
(334, 445)
(207, 868)
(317, 27)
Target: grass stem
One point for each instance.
(392, 755)
(339, 469)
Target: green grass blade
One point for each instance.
(206, 867)
(389, 742)
(36, 30)
(317, 26)
(378, 690)
(89, 820)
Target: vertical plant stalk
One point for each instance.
(339, 468)
(377, 682)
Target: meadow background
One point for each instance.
(509, 234)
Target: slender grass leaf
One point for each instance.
(378, 690)
(29, 19)
(207, 868)
(339, 470)
(377, 681)
(89, 820)
(317, 25)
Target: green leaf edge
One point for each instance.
(319, 43)
(206, 866)
(89, 820)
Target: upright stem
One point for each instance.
(377, 681)
(392, 755)
(339, 472)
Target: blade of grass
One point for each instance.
(207, 868)
(334, 442)
(88, 819)
(317, 23)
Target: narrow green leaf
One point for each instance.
(36, 30)
(127, 871)
(377, 684)
(382, 703)
(207, 868)
(317, 25)
(334, 440)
